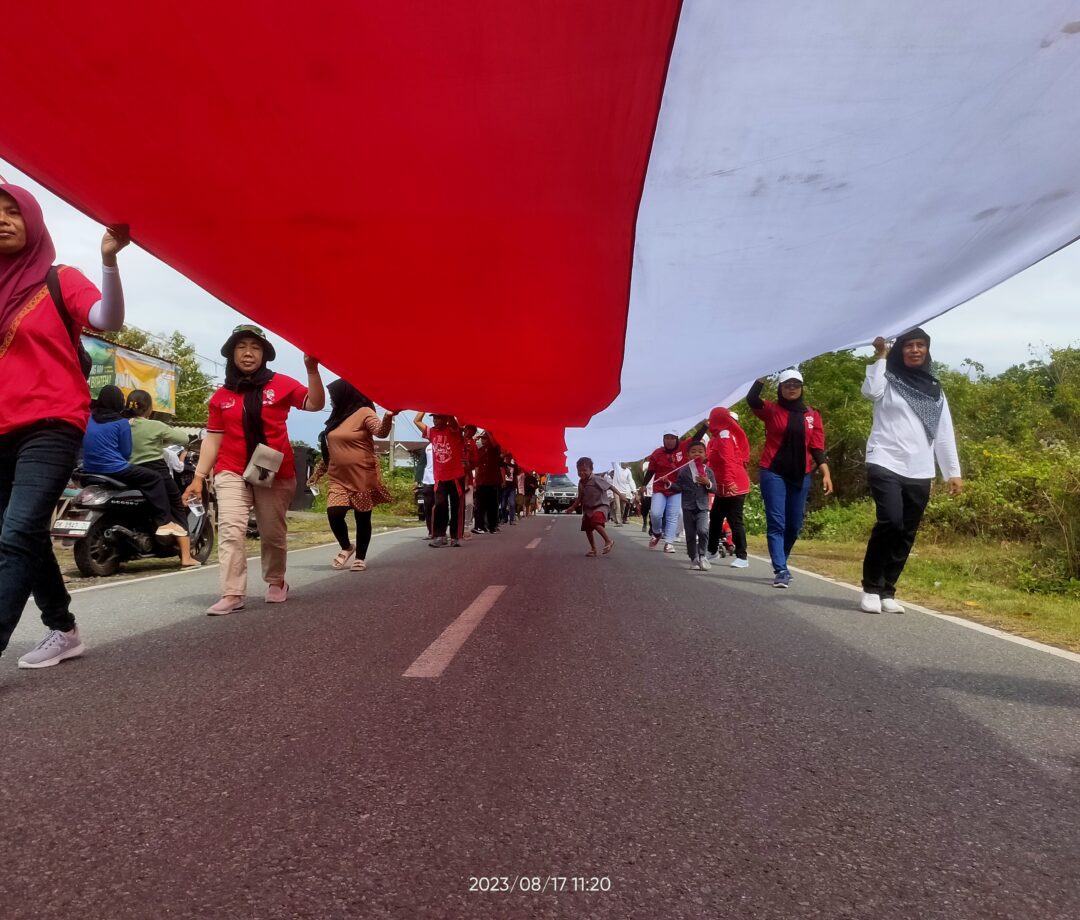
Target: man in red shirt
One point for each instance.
(488, 481)
(448, 452)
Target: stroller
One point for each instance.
(727, 544)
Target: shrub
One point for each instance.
(754, 513)
(841, 523)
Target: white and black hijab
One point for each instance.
(920, 389)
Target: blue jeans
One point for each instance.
(665, 515)
(35, 466)
(509, 504)
(785, 507)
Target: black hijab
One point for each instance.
(109, 405)
(920, 389)
(918, 378)
(789, 461)
(345, 399)
(250, 386)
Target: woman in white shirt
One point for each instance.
(912, 428)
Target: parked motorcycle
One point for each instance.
(109, 523)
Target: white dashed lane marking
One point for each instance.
(437, 656)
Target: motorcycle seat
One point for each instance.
(99, 479)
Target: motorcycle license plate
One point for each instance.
(71, 527)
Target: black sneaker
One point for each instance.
(478, 530)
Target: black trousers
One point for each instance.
(487, 508)
(646, 505)
(339, 527)
(152, 486)
(427, 492)
(696, 524)
(177, 507)
(730, 507)
(450, 503)
(900, 505)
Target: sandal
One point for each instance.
(342, 559)
(358, 566)
(591, 552)
(609, 547)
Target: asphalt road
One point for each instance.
(688, 744)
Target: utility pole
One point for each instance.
(390, 463)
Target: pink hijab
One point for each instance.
(720, 420)
(23, 273)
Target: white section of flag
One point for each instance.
(827, 172)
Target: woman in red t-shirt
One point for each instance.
(250, 410)
(44, 407)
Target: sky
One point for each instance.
(1036, 309)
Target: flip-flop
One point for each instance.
(609, 547)
(358, 566)
(191, 565)
(342, 559)
(591, 552)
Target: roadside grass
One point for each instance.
(969, 578)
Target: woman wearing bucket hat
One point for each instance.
(912, 428)
(247, 446)
(44, 409)
(665, 512)
(794, 447)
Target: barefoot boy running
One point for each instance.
(592, 498)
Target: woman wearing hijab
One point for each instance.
(149, 438)
(249, 412)
(44, 408)
(729, 452)
(107, 452)
(912, 428)
(794, 446)
(348, 455)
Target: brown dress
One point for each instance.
(354, 468)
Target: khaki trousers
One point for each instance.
(235, 500)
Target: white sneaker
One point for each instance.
(704, 563)
(870, 603)
(712, 557)
(889, 605)
(668, 548)
(740, 564)
(53, 649)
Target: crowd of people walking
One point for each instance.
(695, 484)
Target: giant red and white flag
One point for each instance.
(595, 215)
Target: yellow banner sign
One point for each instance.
(131, 370)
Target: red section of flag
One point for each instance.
(437, 199)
